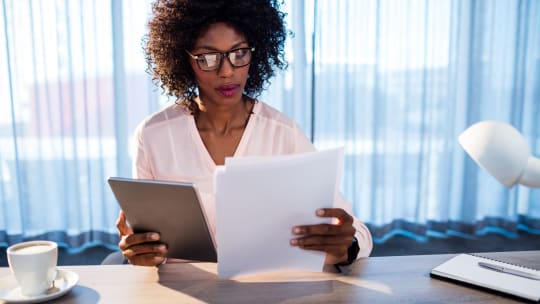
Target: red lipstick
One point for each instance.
(228, 90)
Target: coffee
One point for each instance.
(32, 249)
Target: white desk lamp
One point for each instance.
(501, 150)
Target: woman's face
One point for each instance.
(224, 86)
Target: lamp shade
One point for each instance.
(502, 151)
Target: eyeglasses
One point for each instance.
(212, 61)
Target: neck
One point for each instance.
(222, 119)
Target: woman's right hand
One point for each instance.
(143, 249)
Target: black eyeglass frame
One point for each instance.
(223, 54)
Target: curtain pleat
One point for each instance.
(394, 82)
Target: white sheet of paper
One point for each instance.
(260, 199)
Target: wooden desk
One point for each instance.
(399, 279)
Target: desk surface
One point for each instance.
(398, 279)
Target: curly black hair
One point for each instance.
(176, 24)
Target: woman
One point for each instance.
(215, 57)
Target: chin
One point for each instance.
(233, 99)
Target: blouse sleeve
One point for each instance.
(141, 167)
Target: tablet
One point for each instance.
(171, 208)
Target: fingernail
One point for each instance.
(294, 242)
(320, 212)
(298, 230)
(154, 236)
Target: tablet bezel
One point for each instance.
(172, 209)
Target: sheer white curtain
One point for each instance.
(72, 88)
(394, 82)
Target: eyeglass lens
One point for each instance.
(237, 58)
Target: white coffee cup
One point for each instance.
(33, 264)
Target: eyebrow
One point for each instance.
(210, 48)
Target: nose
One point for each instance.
(225, 69)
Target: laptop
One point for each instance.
(171, 208)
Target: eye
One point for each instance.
(240, 53)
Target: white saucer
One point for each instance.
(10, 291)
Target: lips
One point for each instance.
(228, 90)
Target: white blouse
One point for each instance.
(168, 147)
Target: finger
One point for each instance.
(334, 253)
(138, 238)
(325, 229)
(340, 214)
(334, 250)
(344, 241)
(157, 249)
(122, 226)
(147, 260)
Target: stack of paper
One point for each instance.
(260, 199)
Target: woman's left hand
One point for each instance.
(334, 239)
